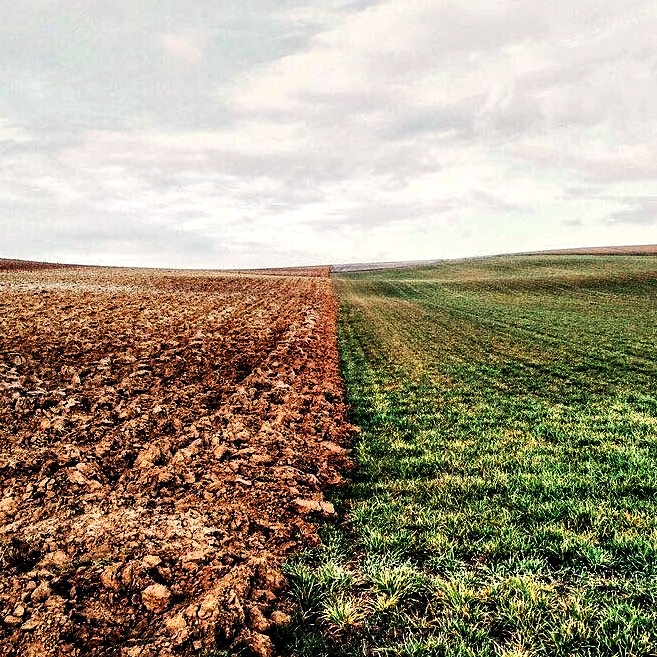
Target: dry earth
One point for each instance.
(166, 439)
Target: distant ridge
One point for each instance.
(640, 249)
(372, 266)
(7, 264)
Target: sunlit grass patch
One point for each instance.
(343, 613)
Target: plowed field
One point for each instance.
(166, 439)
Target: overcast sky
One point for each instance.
(247, 133)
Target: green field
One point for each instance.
(504, 498)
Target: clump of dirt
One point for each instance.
(165, 441)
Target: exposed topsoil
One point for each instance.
(165, 441)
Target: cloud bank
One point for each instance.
(187, 134)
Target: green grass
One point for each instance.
(505, 496)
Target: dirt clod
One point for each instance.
(41, 593)
(314, 506)
(156, 597)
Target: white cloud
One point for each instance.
(185, 48)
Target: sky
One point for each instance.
(257, 133)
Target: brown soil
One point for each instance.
(166, 439)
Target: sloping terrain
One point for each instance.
(505, 502)
(28, 265)
(288, 271)
(165, 439)
(639, 249)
